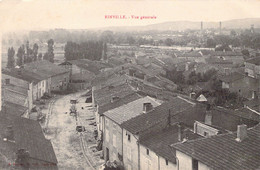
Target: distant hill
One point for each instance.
(184, 25)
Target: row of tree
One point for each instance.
(92, 50)
(25, 54)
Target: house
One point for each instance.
(252, 67)
(23, 138)
(35, 83)
(57, 77)
(155, 150)
(144, 125)
(239, 150)
(108, 95)
(243, 85)
(113, 133)
(234, 56)
(19, 87)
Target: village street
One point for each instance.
(73, 150)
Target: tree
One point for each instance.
(211, 43)
(168, 42)
(11, 60)
(20, 56)
(50, 50)
(39, 56)
(35, 51)
(49, 55)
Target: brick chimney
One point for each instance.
(147, 107)
(241, 133)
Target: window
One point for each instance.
(239, 90)
(106, 122)
(194, 164)
(107, 135)
(205, 133)
(7, 81)
(129, 153)
(114, 140)
(129, 138)
(166, 161)
(147, 151)
(42, 84)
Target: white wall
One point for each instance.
(148, 162)
(203, 166)
(130, 151)
(163, 166)
(185, 161)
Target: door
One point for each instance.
(107, 154)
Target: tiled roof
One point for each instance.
(253, 104)
(216, 60)
(145, 121)
(160, 142)
(15, 88)
(27, 135)
(92, 66)
(23, 74)
(226, 53)
(190, 54)
(255, 61)
(44, 68)
(87, 76)
(13, 109)
(121, 101)
(224, 152)
(232, 77)
(229, 119)
(130, 110)
(104, 95)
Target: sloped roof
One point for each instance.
(27, 135)
(23, 74)
(255, 61)
(44, 68)
(232, 77)
(92, 66)
(14, 109)
(121, 101)
(104, 95)
(145, 121)
(190, 54)
(160, 142)
(224, 152)
(130, 110)
(226, 53)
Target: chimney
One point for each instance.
(147, 107)
(179, 132)
(114, 98)
(10, 133)
(241, 133)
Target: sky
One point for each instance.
(83, 14)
